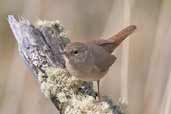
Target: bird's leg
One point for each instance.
(98, 89)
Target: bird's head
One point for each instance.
(76, 52)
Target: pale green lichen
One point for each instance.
(66, 89)
(87, 105)
(59, 84)
(58, 27)
(58, 81)
(47, 23)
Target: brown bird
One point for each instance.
(91, 60)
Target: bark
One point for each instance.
(41, 46)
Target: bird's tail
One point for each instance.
(111, 43)
(123, 34)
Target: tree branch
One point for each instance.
(41, 47)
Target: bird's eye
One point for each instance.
(75, 52)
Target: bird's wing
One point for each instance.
(105, 64)
(108, 45)
(102, 59)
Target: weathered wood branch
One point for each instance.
(41, 47)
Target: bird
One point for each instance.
(90, 61)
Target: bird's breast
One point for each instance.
(85, 73)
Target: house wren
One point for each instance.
(91, 60)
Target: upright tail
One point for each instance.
(123, 34)
(111, 43)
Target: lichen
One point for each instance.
(67, 91)
(87, 105)
(58, 26)
(47, 23)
